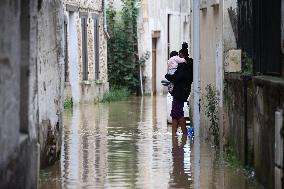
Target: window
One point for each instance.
(84, 19)
(96, 46)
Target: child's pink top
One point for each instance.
(174, 61)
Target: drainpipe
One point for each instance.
(196, 113)
(104, 19)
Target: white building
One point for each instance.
(163, 25)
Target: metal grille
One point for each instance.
(259, 34)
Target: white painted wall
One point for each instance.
(211, 51)
(73, 57)
(229, 39)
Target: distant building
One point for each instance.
(85, 35)
(163, 25)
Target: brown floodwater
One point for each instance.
(129, 144)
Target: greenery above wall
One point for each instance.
(123, 61)
(247, 62)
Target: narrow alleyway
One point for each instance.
(129, 145)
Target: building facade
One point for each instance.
(162, 27)
(85, 37)
(31, 74)
(243, 60)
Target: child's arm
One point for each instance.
(178, 59)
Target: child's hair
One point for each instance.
(184, 49)
(173, 53)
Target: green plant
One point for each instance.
(116, 95)
(211, 112)
(247, 62)
(68, 103)
(123, 61)
(231, 158)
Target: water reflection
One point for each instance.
(129, 145)
(181, 172)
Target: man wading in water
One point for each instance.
(181, 79)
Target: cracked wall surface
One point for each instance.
(50, 71)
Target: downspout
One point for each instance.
(104, 19)
(196, 92)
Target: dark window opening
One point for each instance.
(96, 46)
(84, 20)
(66, 75)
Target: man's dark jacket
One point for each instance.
(182, 79)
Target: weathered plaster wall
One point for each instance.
(50, 79)
(229, 35)
(268, 99)
(234, 114)
(18, 160)
(265, 96)
(154, 17)
(9, 76)
(211, 54)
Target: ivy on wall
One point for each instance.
(123, 63)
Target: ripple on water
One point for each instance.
(129, 145)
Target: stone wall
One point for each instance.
(264, 98)
(50, 72)
(92, 89)
(269, 98)
(93, 5)
(234, 116)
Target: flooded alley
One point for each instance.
(129, 144)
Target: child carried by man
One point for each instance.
(172, 66)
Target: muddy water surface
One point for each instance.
(129, 145)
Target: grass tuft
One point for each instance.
(68, 103)
(116, 95)
(231, 158)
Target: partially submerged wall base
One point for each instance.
(21, 169)
(90, 91)
(253, 142)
